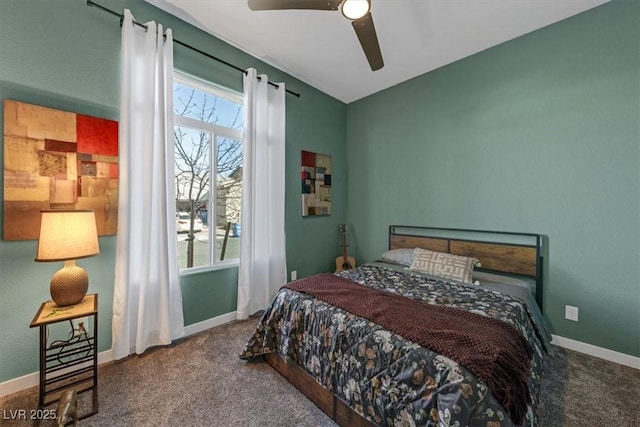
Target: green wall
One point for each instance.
(66, 55)
(539, 134)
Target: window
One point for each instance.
(208, 172)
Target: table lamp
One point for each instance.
(67, 235)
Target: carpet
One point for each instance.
(200, 381)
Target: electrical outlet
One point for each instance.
(571, 313)
(294, 275)
(79, 325)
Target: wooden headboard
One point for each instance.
(498, 251)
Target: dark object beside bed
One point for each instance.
(350, 363)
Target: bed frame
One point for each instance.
(518, 254)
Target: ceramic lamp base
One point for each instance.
(69, 285)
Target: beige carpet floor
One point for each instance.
(200, 381)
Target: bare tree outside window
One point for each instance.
(203, 118)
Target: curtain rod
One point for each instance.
(121, 16)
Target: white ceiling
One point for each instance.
(416, 36)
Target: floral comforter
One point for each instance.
(382, 376)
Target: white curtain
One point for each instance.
(263, 264)
(147, 303)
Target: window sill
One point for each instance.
(222, 265)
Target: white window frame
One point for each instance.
(215, 131)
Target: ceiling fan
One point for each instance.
(357, 11)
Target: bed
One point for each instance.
(392, 343)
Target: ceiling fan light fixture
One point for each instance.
(355, 9)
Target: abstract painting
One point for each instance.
(56, 159)
(316, 184)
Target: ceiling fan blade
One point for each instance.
(294, 4)
(366, 33)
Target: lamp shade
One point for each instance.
(67, 235)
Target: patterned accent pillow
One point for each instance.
(454, 267)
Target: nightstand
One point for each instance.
(71, 362)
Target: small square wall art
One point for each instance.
(316, 184)
(56, 159)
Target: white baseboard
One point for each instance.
(209, 323)
(600, 352)
(32, 380)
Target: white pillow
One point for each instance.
(448, 266)
(399, 256)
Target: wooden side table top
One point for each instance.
(49, 311)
